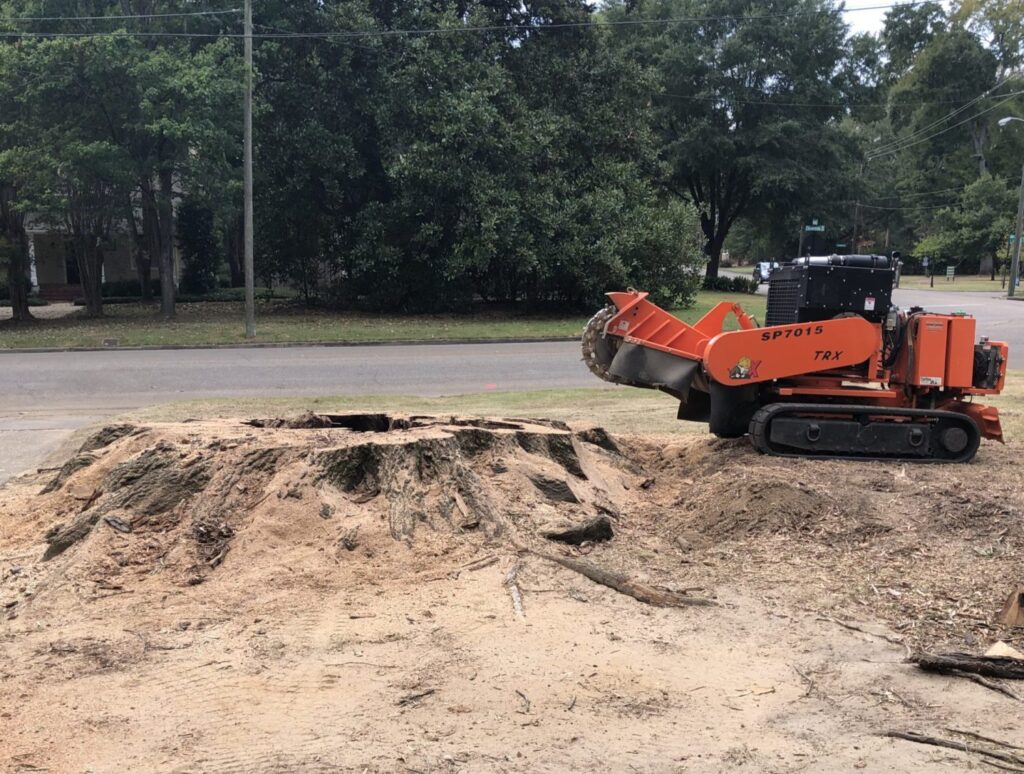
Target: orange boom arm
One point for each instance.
(784, 351)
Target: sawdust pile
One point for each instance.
(377, 592)
(932, 550)
(173, 503)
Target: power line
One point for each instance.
(23, 19)
(913, 207)
(952, 114)
(947, 129)
(909, 195)
(810, 104)
(896, 209)
(451, 30)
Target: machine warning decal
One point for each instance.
(869, 303)
(931, 381)
(745, 368)
(793, 333)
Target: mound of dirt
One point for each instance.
(341, 571)
(170, 502)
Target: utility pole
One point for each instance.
(1015, 265)
(250, 280)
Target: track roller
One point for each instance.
(864, 433)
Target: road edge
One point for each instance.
(290, 344)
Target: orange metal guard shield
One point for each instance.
(782, 351)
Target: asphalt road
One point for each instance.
(46, 396)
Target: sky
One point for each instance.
(870, 21)
(865, 21)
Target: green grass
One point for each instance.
(618, 409)
(221, 323)
(972, 283)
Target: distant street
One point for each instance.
(44, 397)
(998, 318)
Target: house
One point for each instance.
(53, 269)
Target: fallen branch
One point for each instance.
(855, 628)
(985, 683)
(987, 666)
(414, 698)
(641, 592)
(513, 590)
(981, 738)
(479, 564)
(526, 703)
(952, 744)
(1002, 766)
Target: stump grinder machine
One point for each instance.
(836, 371)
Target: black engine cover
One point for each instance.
(811, 289)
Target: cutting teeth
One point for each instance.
(593, 335)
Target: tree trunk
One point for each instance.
(90, 269)
(12, 225)
(165, 211)
(713, 250)
(17, 282)
(979, 134)
(141, 256)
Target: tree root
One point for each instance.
(953, 744)
(649, 595)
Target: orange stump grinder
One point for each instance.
(836, 371)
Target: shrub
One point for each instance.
(730, 284)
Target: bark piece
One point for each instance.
(986, 666)
(593, 531)
(67, 470)
(103, 437)
(66, 537)
(1013, 611)
(555, 489)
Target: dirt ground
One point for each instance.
(381, 593)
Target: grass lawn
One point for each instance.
(135, 325)
(965, 283)
(618, 409)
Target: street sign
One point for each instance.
(840, 244)
(814, 227)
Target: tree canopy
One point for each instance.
(433, 155)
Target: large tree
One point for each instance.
(423, 172)
(747, 96)
(168, 107)
(909, 27)
(973, 232)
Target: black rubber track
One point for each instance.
(760, 430)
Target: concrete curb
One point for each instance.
(290, 344)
